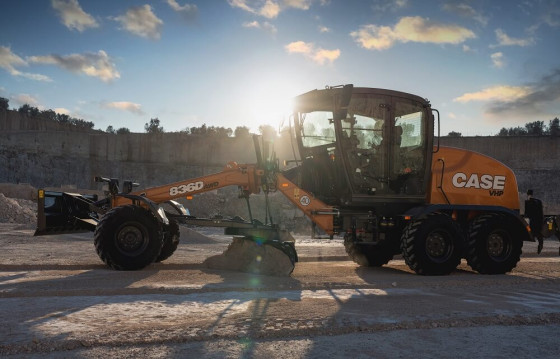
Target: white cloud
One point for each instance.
(410, 29)
(541, 97)
(552, 18)
(324, 29)
(72, 15)
(23, 99)
(9, 61)
(537, 98)
(269, 8)
(298, 4)
(264, 25)
(498, 59)
(62, 111)
(35, 77)
(125, 106)
(242, 4)
(381, 6)
(466, 11)
(255, 24)
(496, 93)
(91, 64)
(309, 50)
(141, 21)
(187, 11)
(505, 40)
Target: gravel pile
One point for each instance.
(252, 257)
(14, 210)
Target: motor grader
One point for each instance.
(367, 166)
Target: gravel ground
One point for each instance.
(58, 300)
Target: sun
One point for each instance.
(270, 107)
(269, 102)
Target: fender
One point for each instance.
(158, 212)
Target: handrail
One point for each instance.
(440, 185)
(438, 129)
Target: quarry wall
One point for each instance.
(46, 154)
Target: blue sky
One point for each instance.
(483, 64)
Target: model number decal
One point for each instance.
(186, 188)
(462, 180)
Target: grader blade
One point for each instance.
(271, 253)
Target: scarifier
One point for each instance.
(367, 165)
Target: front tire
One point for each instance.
(170, 241)
(128, 238)
(494, 243)
(432, 245)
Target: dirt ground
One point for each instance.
(58, 300)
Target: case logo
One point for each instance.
(494, 183)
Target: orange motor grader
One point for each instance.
(367, 165)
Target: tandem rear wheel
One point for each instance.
(494, 243)
(432, 245)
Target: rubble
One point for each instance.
(252, 257)
(18, 211)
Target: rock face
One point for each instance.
(245, 255)
(48, 154)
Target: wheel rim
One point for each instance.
(131, 239)
(498, 245)
(438, 246)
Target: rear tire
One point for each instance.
(432, 245)
(128, 238)
(369, 255)
(494, 244)
(170, 241)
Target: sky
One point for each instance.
(483, 64)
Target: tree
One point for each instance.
(123, 131)
(28, 110)
(153, 126)
(49, 115)
(219, 131)
(535, 128)
(554, 127)
(241, 131)
(202, 130)
(110, 129)
(267, 131)
(78, 122)
(4, 103)
(513, 131)
(454, 134)
(62, 118)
